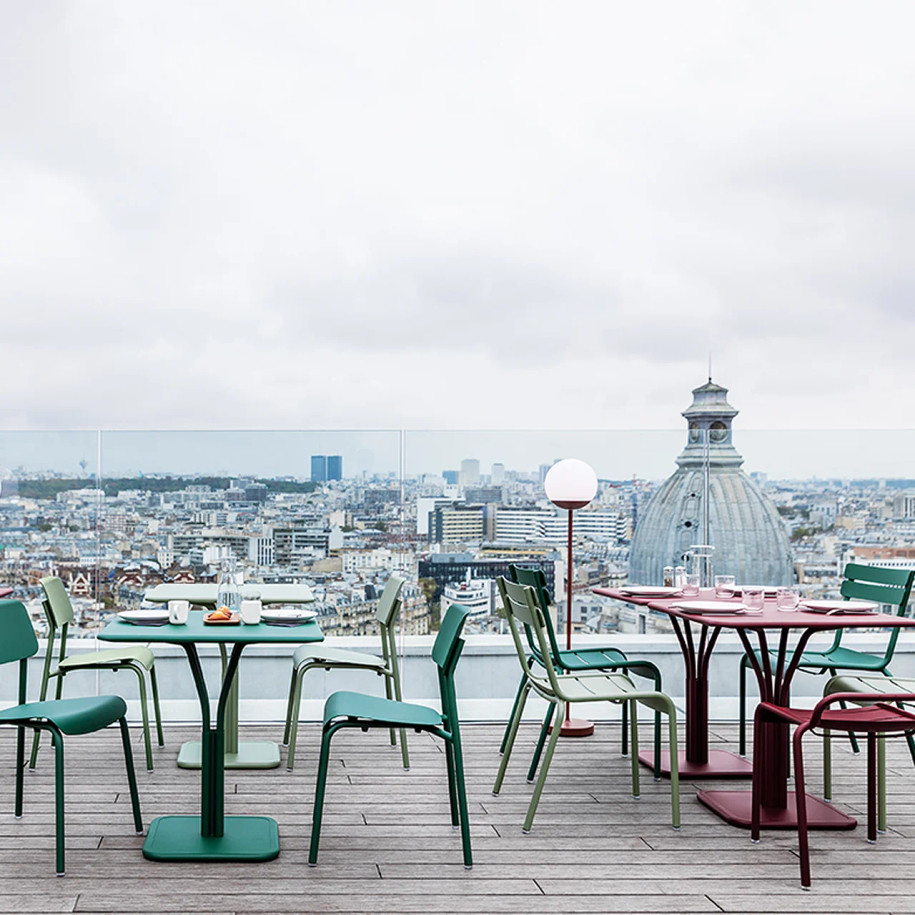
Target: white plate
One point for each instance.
(650, 591)
(143, 616)
(839, 606)
(287, 615)
(720, 607)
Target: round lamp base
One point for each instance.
(576, 727)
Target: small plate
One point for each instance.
(151, 617)
(650, 591)
(716, 607)
(287, 615)
(839, 607)
(233, 620)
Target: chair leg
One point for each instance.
(545, 767)
(20, 765)
(510, 742)
(389, 695)
(398, 695)
(881, 783)
(756, 784)
(144, 711)
(58, 743)
(742, 708)
(319, 794)
(289, 700)
(292, 720)
(154, 683)
(511, 714)
(800, 796)
(131, 775)
(674, 766)
(871, 787)
(541, 740)
(452, 788)
(458, 754)
(624, 727)
(827, 765)
(634, 741)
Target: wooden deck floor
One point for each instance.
(388, 845)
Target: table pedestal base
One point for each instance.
(259, 754)
(735, 807)
(178, 838)
(721, 764)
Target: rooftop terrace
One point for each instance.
(387, 844)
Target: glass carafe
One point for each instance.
(699, 563)
(227, 593)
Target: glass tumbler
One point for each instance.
(753, 598)
(724, 586)
(787, 598)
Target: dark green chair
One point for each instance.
(137, 658)
(324, 658)
(871, 583)
(577, 660)
(358, 710)
(58, 717)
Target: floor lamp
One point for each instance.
(571, 484)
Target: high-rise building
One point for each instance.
(470, 472)
(497, 477)
(334, 467)
(319, 468)
(450, 477)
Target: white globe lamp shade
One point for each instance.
(570, 483)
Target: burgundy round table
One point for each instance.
(774, 686)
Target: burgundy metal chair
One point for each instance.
(878, 718)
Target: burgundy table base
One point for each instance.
(734, 806)
(721, 764)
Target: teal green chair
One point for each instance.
(136, 658)
(325, 658)
(576, 661)
(358, 710)
(872, 583)
(58, 717)
(522, 608)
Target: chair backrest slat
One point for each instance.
(522, 607)
(535, 579)
(57, 601)
(884, 586)
(448, 643)
(17, 635)
(389, 602)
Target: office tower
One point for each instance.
(470, 472)
(319, 468)
(334, 467)
(450, 477)
(497, 478)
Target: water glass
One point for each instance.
(691, 584)
(787, 598)
(250, 612)
(178, 611)
(753, 598)
(724, 586)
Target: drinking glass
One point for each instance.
(753, 598)
(787, 598)
(691, 587)
(724, 586)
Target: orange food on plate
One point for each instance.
(222, 613)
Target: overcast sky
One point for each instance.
(455, 215)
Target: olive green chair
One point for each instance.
(522, 608)
(578, 660)
(136, 658)
(871, 583)
(58, 717)
(358, 710)
(325, 658)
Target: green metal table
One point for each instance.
(212, 836)
(248, 754)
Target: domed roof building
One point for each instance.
(744, 527)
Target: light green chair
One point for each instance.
(357, 710)
(58, 717)
(323, 657)
(137, 658)
(523, 609)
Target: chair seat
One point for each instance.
(845, 684)
(590, 658)
(379, 710)
(318, 654)
(844, 658)
(111, 657)
(71, 716)
(861, 718)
